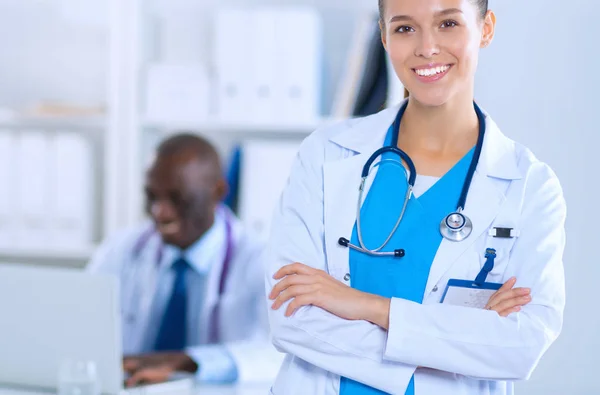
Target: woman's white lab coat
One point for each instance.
(243, 326)
(458, 350)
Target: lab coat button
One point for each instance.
(435, 289)
(347, 277)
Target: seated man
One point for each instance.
(192, 285)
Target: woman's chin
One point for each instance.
(431, 98)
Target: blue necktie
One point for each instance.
(172, 335)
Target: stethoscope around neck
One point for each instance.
(455, 227)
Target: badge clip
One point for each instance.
(504, 233)
(490, 255)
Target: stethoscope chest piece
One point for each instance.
(456, 226)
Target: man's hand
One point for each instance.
(156, 367)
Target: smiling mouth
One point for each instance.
(432, 73)
(169, 228)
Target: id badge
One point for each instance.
(469, 293)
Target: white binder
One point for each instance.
(233, 51)
(299, 34)
(177, 93)
(265, 169)
(263, 78)
(32, 186)
(72, 192)
(7, 190)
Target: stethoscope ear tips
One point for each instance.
(343, 242)
(399, 253)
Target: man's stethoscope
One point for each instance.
(455, 227)
(145, 238)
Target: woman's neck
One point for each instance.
(446, 129)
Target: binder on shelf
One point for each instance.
(182, 36)
(177, 93)
(233, 49)
(263, 65)
(233, 178)
(299, 63)
(271, 72)
(32, 186)
(7, 198)
(71, 196)
(265, 168)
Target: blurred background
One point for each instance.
(90, 86)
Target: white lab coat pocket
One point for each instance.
(502, 247)
(497, 275)
(472, 263)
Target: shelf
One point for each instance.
(297, 128)
(46, 254)
(54, 123)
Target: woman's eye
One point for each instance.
(404, 29)
(446, 24)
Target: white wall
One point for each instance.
(52, 50)
(540, 81)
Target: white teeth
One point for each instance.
(169, 228)
(432, 71)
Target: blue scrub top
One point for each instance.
(418, 234)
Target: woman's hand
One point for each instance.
(507, 300)
(310, 286)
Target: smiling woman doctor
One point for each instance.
(386, 288)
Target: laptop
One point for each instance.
(49, 315)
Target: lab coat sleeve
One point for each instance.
(255, 359)
(353, 349)
(110, 255)
(479, 343)
(215, 364)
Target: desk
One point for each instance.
(244, 389)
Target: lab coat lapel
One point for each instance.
(484, 200)
(483, 204)
(212, 298)
(340, 202)
(342, 179)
